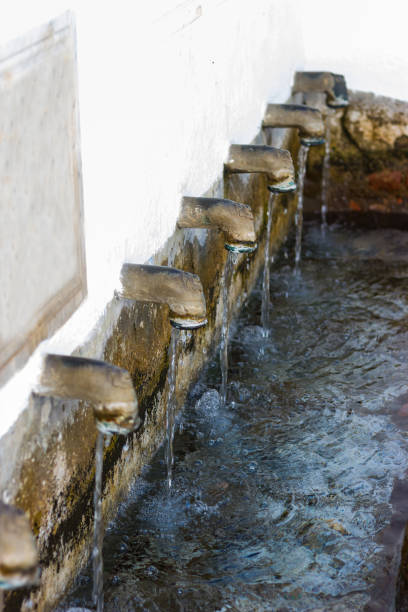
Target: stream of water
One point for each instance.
(229, 268)
(171, 405)
(284, 498)
(302, 159)
(265, 308)
(97, 592)
(326, 172)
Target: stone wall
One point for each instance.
(368, 159)
(50, 450)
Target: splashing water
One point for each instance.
(302, 158)
(97, 592)
(171, 406)
(326, 173)
(265, 308)
(229, 266)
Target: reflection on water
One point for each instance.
(282, 499)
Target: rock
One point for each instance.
(376, 123)
(337, 526)
(378, 208)
(386, 180)
(354, 206)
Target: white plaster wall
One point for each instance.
(164, 88)
(366, 40)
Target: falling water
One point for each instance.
(326, 173)
(229, 266)
(97, 558)
(171, 405)
(302, 157)
(266, 271)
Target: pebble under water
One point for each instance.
(292, 496)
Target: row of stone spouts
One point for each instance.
(109, 388)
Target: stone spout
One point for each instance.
(277, 164)
(333, 85)
(233, 218)
(181, 291)
(308, 120)
(107, 387)
(18, 553)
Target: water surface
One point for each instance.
(285, 498)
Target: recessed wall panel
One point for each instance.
(42, 269)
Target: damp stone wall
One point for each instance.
(164, 88)
(49, 452)
(368, 176)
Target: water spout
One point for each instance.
(277, 164)
(333, 85)
(181, 291)
(237, 222)
(335, 89)
(308, 120)
(233, 218)
(311, 131)
(184, 295)
(111, 392)
(108, 388)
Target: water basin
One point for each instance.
(293, 495)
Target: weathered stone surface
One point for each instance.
(387, 180)
(50, 452)
(375, 123)
(368, 158)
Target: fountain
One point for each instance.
(237, 222)
(311, 132)
(110, 391)
(278, 166)
(183, 293)
(333, 86)
(18, 553)
(234, 219)
(308, 120)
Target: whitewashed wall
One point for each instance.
(364, 39)
(164, 88)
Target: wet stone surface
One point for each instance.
(368, 168)
(285, 498)
(377, 123)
